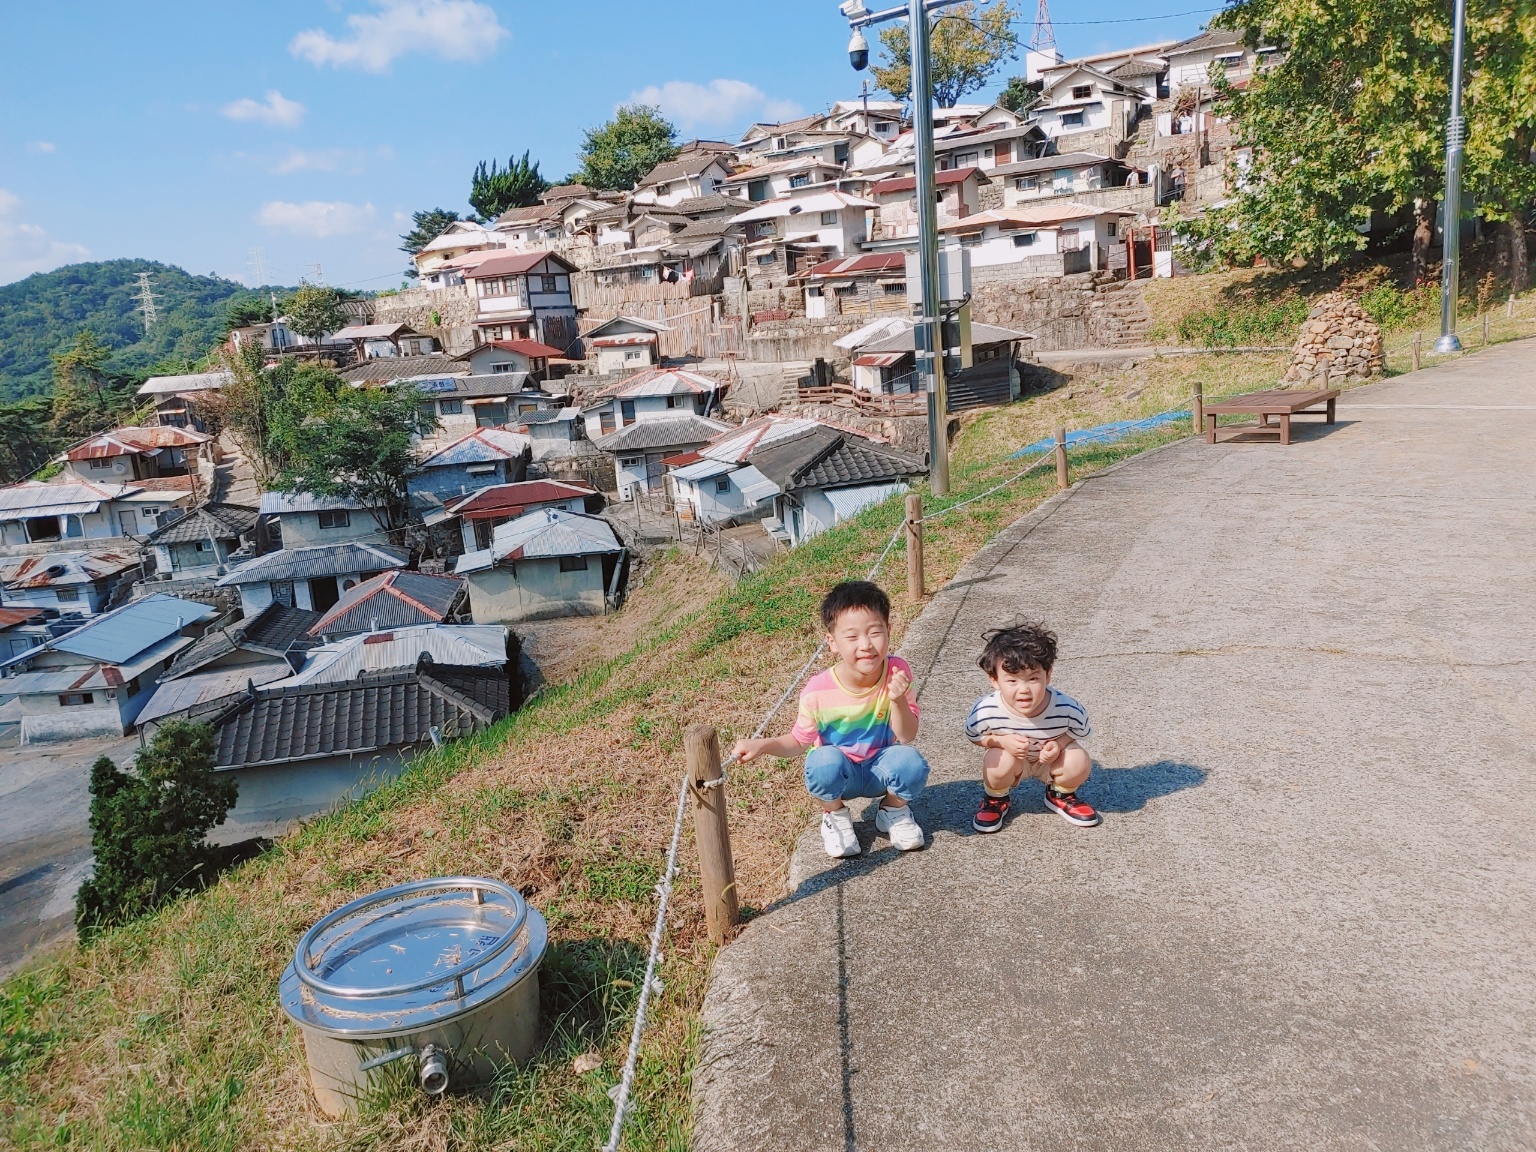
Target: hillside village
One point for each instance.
(721, 358)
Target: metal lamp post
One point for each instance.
(928, 336)
(1455, 138)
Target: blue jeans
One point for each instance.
(899, 770)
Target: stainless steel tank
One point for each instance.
(437, 977)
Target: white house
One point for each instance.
(310, 578)
(786, 234)
(62, 583)
(455, 241)
(1080, 99)
(625, 343)
(1054, 228)
(781, 178)
(303, 518)
(524, 296)
(695, 172)
(957, 190)
(481, 513)
(372, 341)
(37, 517)
(545, 564)
(1069, 174)
(530, 357)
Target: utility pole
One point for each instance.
(1455, 138)
(929, 332)
(146, 302)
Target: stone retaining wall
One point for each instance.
(447, 313)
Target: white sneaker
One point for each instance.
(838, 836)
(901, 826)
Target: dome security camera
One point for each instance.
(858, 51)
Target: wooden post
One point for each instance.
(1417, 337)
(711, 832)
(1509, 309)
(914, 547)
(1197, 407)
(1485, 327)
(1325, 376)
(1062, 480)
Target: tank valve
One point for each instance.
(433, 1070)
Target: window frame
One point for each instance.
(337, 517)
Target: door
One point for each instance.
(128, 521)
(627, 411)
(815, 304)
(323, 593)
(282, 592)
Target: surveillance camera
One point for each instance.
(858, 51)
(853, 9)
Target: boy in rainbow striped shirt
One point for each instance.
(858, 721)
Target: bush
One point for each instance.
(1391, 307)
(1246, 324)
(148, 826)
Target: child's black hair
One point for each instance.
(851, 594)
(1023, 645)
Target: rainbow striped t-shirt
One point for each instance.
(856, 723)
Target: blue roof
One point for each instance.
(120, 635)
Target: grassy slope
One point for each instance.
(166, 1034)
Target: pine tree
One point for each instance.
(493, 189)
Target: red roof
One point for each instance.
(869, 265)
(909, 183)
(10, 617)
(683, 459)
(515, 499)
(126, 441)
(532, 348)
(514, 265)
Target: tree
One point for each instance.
(26, 441)
(246, 309)
(493, 190)
(616, 154)
(429, 225)
(148, 826)
(966, 49)
(354, 443)
(1018, 95)
(84, 399)
(260, 406)
(314, 310)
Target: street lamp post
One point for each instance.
(928, 336)
(1455, 138)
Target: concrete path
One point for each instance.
(1309, 918)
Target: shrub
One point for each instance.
(1391, 307)
(1244, 324)
(148, 826)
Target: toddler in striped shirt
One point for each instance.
(1028, 728)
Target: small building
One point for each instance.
(1066, 175)
(696, 171)
(789, 234)
(639, 449)
(421, 371)
(176, 398)
(557, 433)
(21, 630)
(198, 545)
(625, 343)
(530, 358)
(465, 645)
(661, 393)
(868, 285)
(780, 178)
(1084, 109)
(312, 578)
(718, 483)
(503, 399)
(304, 519)
(39, 517)
(959, 196)
(524, 296)
(457, 240)
(480, 458)
(298, 751)
(545, 564)
(94, 680)
(887, 365)
(1052, 238)
(65, 583)
(395, 599)
(383, 341)
(481, 513)
(227, 659)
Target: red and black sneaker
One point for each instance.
(989, 817)
(1071, 809)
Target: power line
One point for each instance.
(1141, 19)
(146, 302)
(319, 273)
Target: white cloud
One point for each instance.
(26, 248)
(316, 218)
(451, 29)
(42, 146)
(277, 111)
(718, 104)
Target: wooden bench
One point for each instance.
(1280, 402)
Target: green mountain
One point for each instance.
(43, 313)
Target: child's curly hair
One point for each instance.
(1023, 644)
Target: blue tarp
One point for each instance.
(1105, 433)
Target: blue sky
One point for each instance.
(193, 132)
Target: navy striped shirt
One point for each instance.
(1063, 716)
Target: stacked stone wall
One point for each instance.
(1339, 336)
(447, 313)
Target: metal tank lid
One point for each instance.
(412, 955)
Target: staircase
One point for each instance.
(1120, 318)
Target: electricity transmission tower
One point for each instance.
(1044, 39)
(319, 273)
(146, 302)
(254, 263)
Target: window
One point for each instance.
(1112, 229)
(573, 563)
(336, 518)
(757, 190)
(282, 592)
(508, 366)
(632, 462)
(450, 407)
(895, 288)
(844, 291)
(723, 484)
(765, 259)
(672, 401)
(828, 218)
(491, 415)
(970, 240)
(1072, 120)
(1027, 183)
(800, 181)
(966, 159)
(101, 462)
(627, 412)
(428, 413)
(633, 354)
(764, 228)
(550, 283)
(884, 128)
(75, 699)
(839, 153)
(202, 546)
(1082, 91)
(663, 189)
(66, 595)
(1025, 239)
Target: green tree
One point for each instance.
(356, 443)
(967, 49)
(246, 309)
(84, 397)
(314, 310)
(148, 826)
(493, 189)
(617, 153)
(428, 225)
(1017, 95)
(26, 438)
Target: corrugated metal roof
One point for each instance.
(796, 205)
(755, 487)
(392, 599)
(515, 499)
(374, 332)
(208, 688)
(534, 348)
(704, 469)
(909, 183)
(481, 446)
(136, 441)
(34, 498)
(849, 502)
(321, 560)
(279, 503)
(869, 264)
(662, 382)
(517, 264)
(482, 645)
(191, 382)
(10, 617)
(54, 568)
(118, 636)
(660, 433)
(879, 359)
(547, 533)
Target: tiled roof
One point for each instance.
(383, 369)
(661, 432)
(909, 183)
(829, 457)
(515, 265)
(392, 599)
(377, 711)
(204, 692)
(1211, 39)
(530, 214)
(221, 521)
(191, 382)
(273, 632)
(515, 499)
(687, 164)
(321, 560)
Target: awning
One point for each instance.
(849, 502)
(621, 341)
(489, 399)
(880, 359)
(703, 470)
(755, 487)
(45, 510)
(842, 283)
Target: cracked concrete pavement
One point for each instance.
(1306, 922)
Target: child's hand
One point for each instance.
(1017, 746)
(898, 684)
(1049, 751)
(746, 751)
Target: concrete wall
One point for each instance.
(302, 529)
(1090, 309)
(536, 590)
(272, 799)
(89, 598)
(44, 719)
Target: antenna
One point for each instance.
(146, 301)
(1045, 36)
(254, 263)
